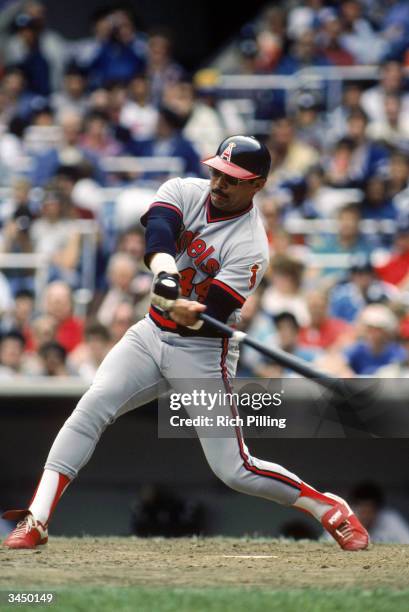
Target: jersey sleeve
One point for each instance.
(169, 195)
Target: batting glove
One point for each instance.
(165, 290)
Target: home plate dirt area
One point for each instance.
(203, 562)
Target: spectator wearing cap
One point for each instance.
(377, 346)
(395, 269)
(362, 287)
(170, 142)
(281, 330)
(324, 331)
(59, 305)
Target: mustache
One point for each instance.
(218, 192)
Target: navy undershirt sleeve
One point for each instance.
(162, 229)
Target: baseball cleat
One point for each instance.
(343, 525)
(29, 533)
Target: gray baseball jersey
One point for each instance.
(229, 251)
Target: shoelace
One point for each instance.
(345, 530)
(25, 525)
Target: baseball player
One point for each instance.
(207, 249)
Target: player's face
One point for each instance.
(231, 194)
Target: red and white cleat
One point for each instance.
(29, 533)
(344, 526)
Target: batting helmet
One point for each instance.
(243, 157)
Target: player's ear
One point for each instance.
(259, 183)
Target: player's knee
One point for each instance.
(234, 479)
(92, 414)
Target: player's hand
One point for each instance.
(165, 290)
(184, 312)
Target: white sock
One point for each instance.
(49, 490)
(313, 506)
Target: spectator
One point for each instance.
(162, 68)
(44, 329)
(88, 356)
(290, 156)
(337, 119)
(71, 153)
(309, 125)
(98, 138)
(347, 240)
(169, 141)
(358, 36)
(282, 330)
(59, 305)
(303, 53)
(16, 239)
(72, 96)
(383, 523)
(376, 204)
(397, 180)
(362, 287)
(377, 346)
(120, 54)
(330, 40)
(391, 81)
(20, 318)
(56, 237)
(393, 130)
(285, 291)
(323, 331)
(121, 272)
(123, 316)
(53, 359)
(12, 355)
(138, 114)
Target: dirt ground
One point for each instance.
(203, 562)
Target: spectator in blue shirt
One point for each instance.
(170, 142)
(121, 55)
(377, 347)
(347, 299)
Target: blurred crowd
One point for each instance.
(79, 119)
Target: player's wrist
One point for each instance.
(163, 262)
(165, 290)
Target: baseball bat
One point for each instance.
(281, 357)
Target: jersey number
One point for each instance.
(187, 285)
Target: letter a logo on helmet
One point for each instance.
(226, 155)
(243, 157)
